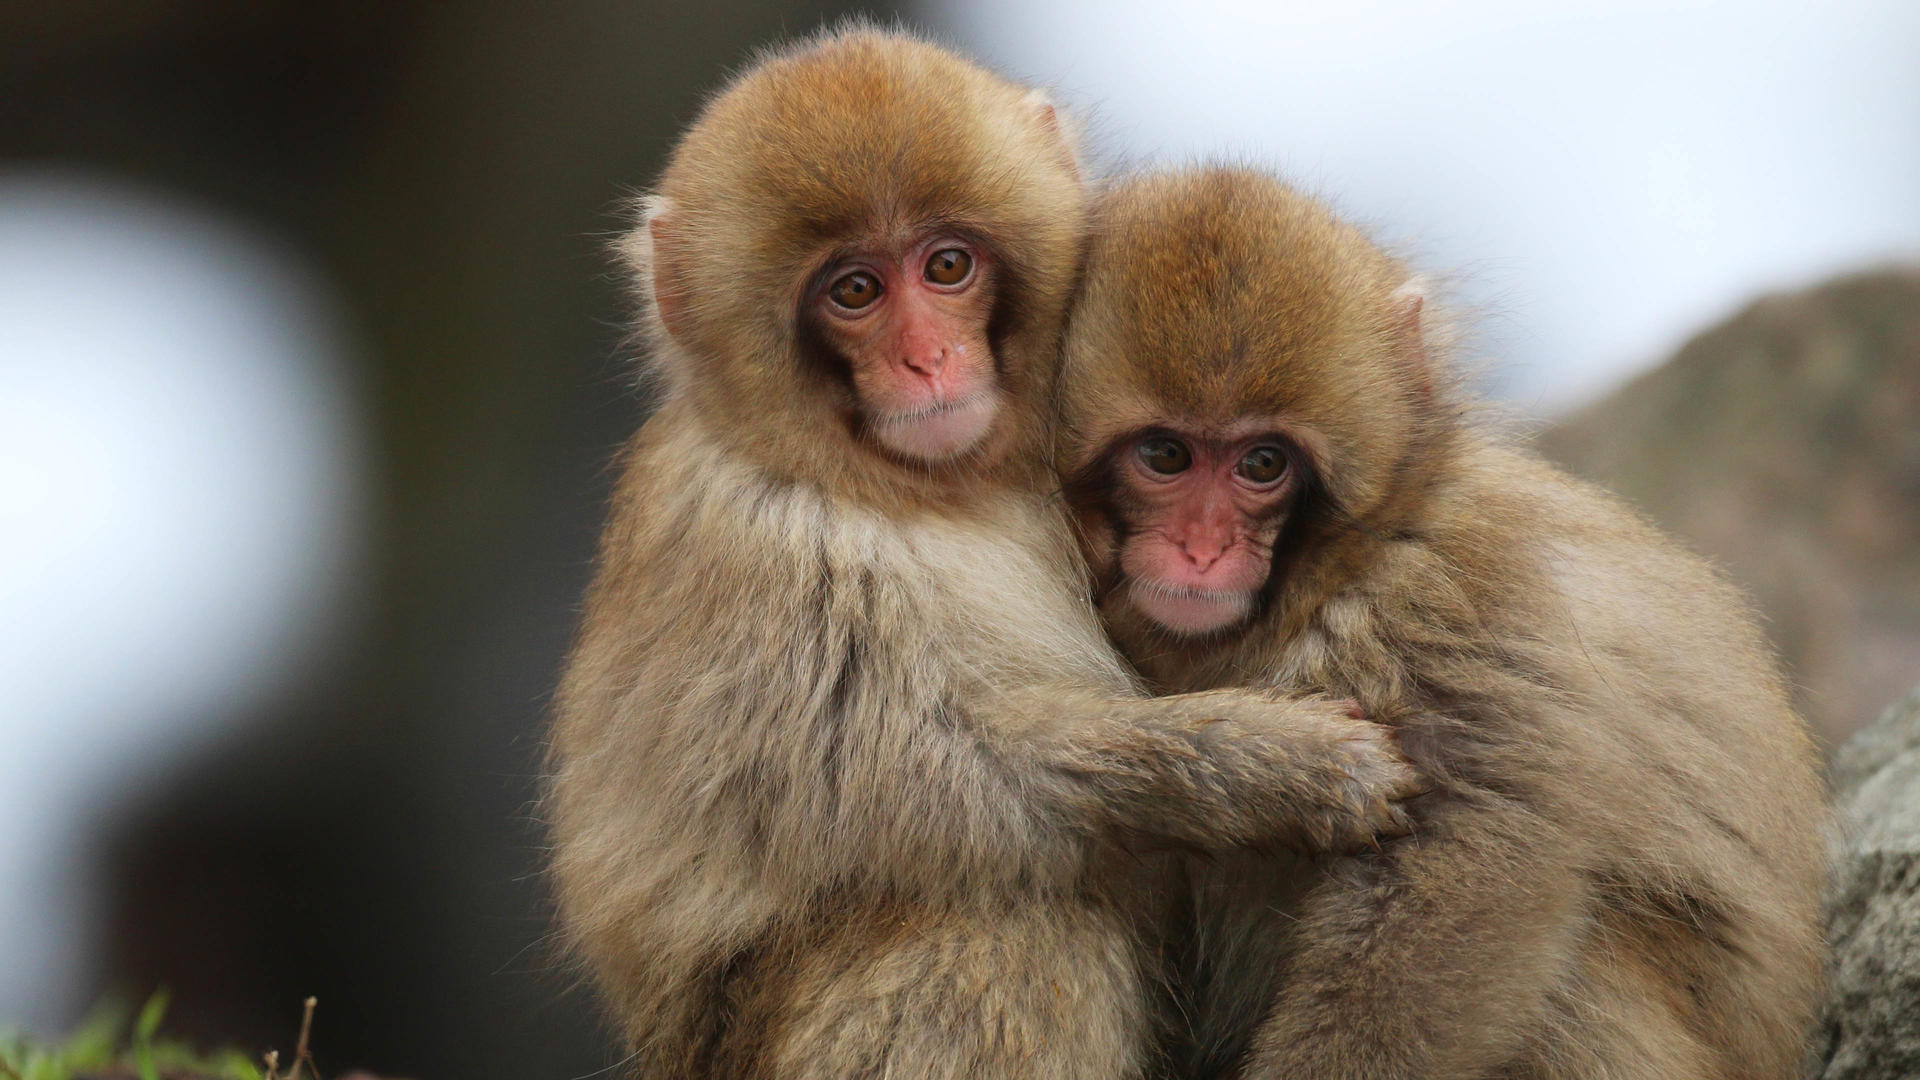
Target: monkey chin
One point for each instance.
(1187, 611)
(938, 432)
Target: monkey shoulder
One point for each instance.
(1641, 652)
(1622, 580)
(1513, 530)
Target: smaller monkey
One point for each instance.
(1617, 874)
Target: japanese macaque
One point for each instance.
(1617, 872)
(846, 778)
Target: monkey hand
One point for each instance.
(1333, 781)
(1379, 779)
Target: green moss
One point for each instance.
(107, 1047)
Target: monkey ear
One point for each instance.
(1055, 129)
(656, 253)
(1407, 306)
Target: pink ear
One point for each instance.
(667, 284)
(1410, 337)
(1049, 119)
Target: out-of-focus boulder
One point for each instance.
(1785, 443)
(1872, 1029)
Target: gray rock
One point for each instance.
(1872, 1031)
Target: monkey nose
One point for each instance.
(925, 362)
(921, 352)
(1203, 557)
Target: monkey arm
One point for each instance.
(931, 800)
(1215, 769)
(804, 697)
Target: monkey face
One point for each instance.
(909, 324)
(1200, 512)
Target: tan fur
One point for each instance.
(1618, 873)
(842, 763)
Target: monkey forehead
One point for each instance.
(865, 131)
(1222, 291)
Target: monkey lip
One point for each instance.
(1187, 610)
(939, 430)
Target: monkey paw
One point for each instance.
(1370, 779)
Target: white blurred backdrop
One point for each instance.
(181, 514)
(1596, 180)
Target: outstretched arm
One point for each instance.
(1217, 769)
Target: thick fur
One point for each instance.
(1619, 870)
(844, 771)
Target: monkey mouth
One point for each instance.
(1186, 609)
(937, 430)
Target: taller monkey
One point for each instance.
(842, 757)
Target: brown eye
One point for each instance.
(1263, 464)
(1165, 456)
(949, 266)
(854, 291)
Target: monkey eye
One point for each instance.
(949, 266)
(854, 291)
(1263, 464)
(1165, 456)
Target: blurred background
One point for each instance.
(310, 369)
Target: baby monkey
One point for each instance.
(1617, 874)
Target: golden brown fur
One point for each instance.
(1618, 873)
(842, 760)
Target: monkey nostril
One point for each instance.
(925, 364)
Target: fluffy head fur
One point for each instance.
(857, 134)
(1220, 293)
